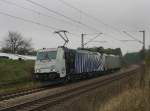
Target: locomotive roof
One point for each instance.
(85, 51)
(112, 55)
(47, 49)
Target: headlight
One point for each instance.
(53, 70)
(38, 70)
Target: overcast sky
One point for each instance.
(115, 16)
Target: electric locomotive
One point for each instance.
(65, 63)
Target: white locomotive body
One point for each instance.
(50, 63)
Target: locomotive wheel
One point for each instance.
(66, 79)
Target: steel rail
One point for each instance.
(19, 93)
(26, 91)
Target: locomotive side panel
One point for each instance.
(60, 62)
(86, 61)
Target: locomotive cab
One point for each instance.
(50, 64)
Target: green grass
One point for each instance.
(18, 87)
(16, 75)
(147, 60)
(15, 71)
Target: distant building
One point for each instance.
(16, 56)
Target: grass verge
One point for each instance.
(16, 75)
(135, 99)
(15, 71)
(131, 100)
(18, 87)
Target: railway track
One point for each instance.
(27, 91)
(72, 91)
(20, 93)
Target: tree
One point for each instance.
(132, 58)
(15, 43)
(101, 50)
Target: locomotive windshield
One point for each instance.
(49, 55)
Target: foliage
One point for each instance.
(132, 58)
(16, 75)
(147, 58)
(116, 51)
(15, 43)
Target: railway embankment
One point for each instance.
(15, 75)
(99, 98)
(132, 99)
(89, 95)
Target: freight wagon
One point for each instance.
(112, 62)
(64, 63)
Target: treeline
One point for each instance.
(147, 58)
(132, 58)
(127, 59)
(101, 50)
(137, 57)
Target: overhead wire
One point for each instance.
(37, 23)
(81, 11)
(89, 15)
(112, 37)
(33, 22)
(132, 37)
(34, 11)
(100, 41)
(62, 15)
(128, 40)
(29, 21)
(85, 13)
(92, 39)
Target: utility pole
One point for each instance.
(143, 31)
(82, 40)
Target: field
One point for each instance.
(15, 75)
(133, 99)
(15, 71)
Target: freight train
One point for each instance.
(65, 63)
